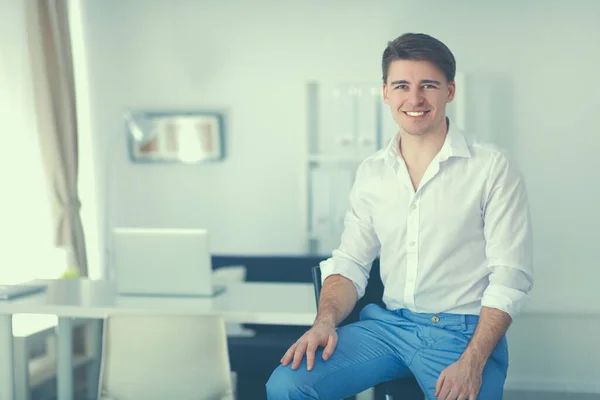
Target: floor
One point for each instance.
(512, 395)
(529, 396)
(508, 395)
(520, 395)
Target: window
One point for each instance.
(26, 224)
(27, 227)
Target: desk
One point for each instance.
(247, 302)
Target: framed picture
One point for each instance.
(188, 137)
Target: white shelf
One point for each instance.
(43, 369)
(345, 127)
(333, 159)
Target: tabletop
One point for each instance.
(244, 302)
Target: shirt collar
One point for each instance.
(455, 145)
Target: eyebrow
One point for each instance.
(423, 82)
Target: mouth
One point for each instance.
(416, 114)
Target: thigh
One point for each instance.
(361, 360)
(430, 362)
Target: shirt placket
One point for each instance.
(412, 253)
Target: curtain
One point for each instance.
(54, 94)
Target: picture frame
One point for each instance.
(175, 137)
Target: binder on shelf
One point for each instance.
(342, 182)
(344, 120)
(319, 201)
(345, 124)
(368, 100)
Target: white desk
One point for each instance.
(248, 302)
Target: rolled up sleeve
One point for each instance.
(509, 239)
(359, 244)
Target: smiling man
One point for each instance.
(449, 219)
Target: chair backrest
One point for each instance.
(402, 388)
(316, 278)
(165, 356)
(373, 293)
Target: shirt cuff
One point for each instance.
(504, 298)
(347, 269)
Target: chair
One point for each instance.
(165, 357)
(398, 389)
(34, 344)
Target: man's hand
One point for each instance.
(338, 297)
(321, 334)
(460, 381)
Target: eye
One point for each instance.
(429, 87)
(401, 87)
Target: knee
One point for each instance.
(287, 384)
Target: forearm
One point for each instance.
(338, 297)
(492, 326)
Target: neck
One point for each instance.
(422, 148)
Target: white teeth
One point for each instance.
(415, 114)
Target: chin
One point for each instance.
(413, 131)
(417, 132)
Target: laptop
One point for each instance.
(9, 292)
(163, 262)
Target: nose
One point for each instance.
(415, 97)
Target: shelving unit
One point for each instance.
(347, 122)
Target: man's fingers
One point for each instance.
(438, 385)
(463, 396)
(456, 395)
(308, 344)
(298, 354)
(310, 355)
(445, 392)
(330, 347)
(287, 357)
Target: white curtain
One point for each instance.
(26, 224)
(54, 91)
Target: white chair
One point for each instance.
(39, 331)
(165, 357)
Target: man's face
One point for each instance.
(417, 93)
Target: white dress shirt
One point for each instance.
(461, 241)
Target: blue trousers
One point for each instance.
(385, 345)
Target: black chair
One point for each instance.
(398, 389)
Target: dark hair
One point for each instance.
(422, 47)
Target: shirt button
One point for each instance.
(413, 207)
(411, 243)
(435, 319)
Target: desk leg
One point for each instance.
(7, 376)
(65, 358)
(94, 349)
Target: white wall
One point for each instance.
(531, 68)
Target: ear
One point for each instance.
(451, 91)
(385, 94)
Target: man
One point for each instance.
(450, 220)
